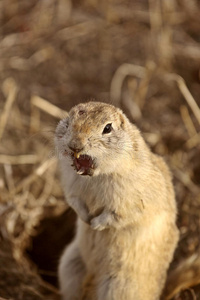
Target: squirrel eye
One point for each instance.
(67, 123)
(107, 128)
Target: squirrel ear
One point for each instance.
(122, 119)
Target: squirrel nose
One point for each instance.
(75, 149)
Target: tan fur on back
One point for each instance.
(126, 231)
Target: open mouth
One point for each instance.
(84, 164)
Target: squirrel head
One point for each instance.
(96, 138)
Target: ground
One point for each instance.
(142, 56)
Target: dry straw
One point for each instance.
(30, 185)
(10, 91)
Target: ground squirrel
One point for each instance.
(124, 198)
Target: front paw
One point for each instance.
(97, 224)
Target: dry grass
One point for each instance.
(140, 55)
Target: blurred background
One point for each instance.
(140, 55)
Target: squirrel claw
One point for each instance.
(96, 225)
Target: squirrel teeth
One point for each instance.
(76, 155)
(81, 171)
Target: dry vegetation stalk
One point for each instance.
(39, 37)
(117, 81)
(43, 167)
(186, 275)
(10, 90)
(193, 141)
(188, 121)
(19, 159)
(188, 97)
(47, 107)
(185, 92)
